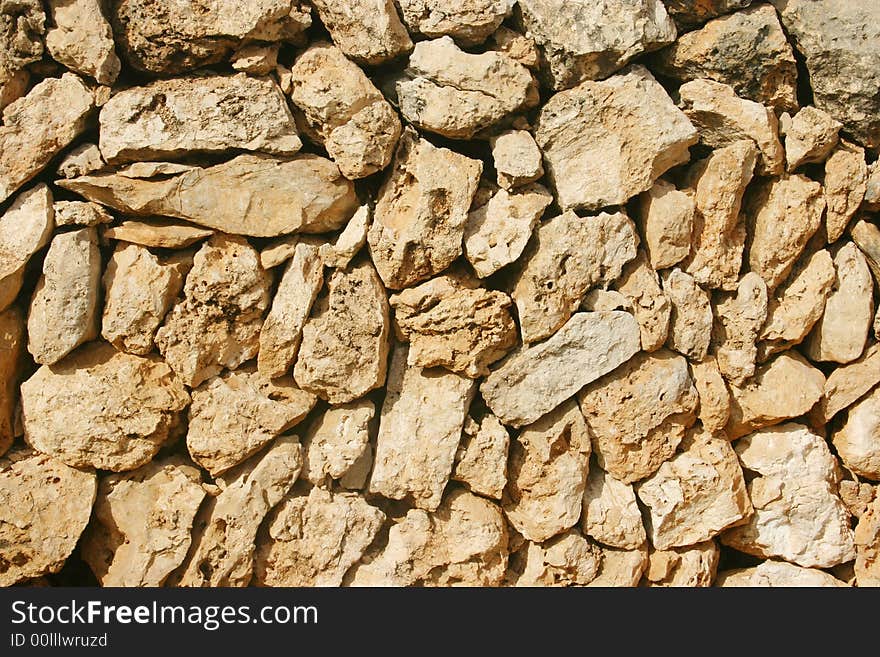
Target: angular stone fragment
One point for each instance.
(872, 190)
(463, 543)
(621, 568)
(456, 94)
(141, 524)
(22, 26)
(691, 567)
(12, 338)
(536, 379)
(497, 232)
(157, 233)
(782, 216)
(566, 560)
(784, 388)
(517, 159)
(611, 514)
(856, 496)
(867, 539)
(650, 306)
(867, 236)
(420, 428)
(313, 540)
(344, 349)
(81, 39)
(798, 515)
(747, 50)
(690, 322)
(79, 213)
(666, 219)
(39, 126)
(414, 235)
(772, 573)
(44, 507)
(517, 46)
(450, 322)
(846, 180)
(248, 195)
(81, 160)
(587, 40)
(738, 320)
(25, 228)
(714, 409)
(169, 38)
(687, 13)
(723, 118)
(339, 252)
(841, 333)
(218, 322)
(481, 459)
(639, 413)
(13, 85)
(810, 137)
(604, 142)
(256, 59)
(469, 22)
(846, 384)
(225, 529)
(64, 310)
(367, 31)
(337, 440)
(102, 408)
(858, 439)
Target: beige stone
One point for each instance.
(565, 560)
(739, 318)
(611, 514)
(21, 42)
(866, 235)
(82, 40)
(516, 45)
(714, 408)
(481, 458)
(650, 306)
(79, 213)
(468, 22)
(621, 568)
(25, 228)
(340, 252)
(256, 59)
(367, 31)
(534, 380)
(666, 220)
(856, 496)
(690, 567)
(858, 439)
(336, 441)
(846, 384)
(690, 320)
(872, 188)
(846, 180)
(81, 160)
(12, 339)
(810, 137)
(157, 233)
(13, 85)
(517, 159)
(867, 540)
(772, 573)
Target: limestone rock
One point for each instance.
(517, 46)
(866, 235)
(312, 540)
(534, 380)
(841, 333)
(452, 323)
(349, 116)
(344, 349)
(739, 318)
(783, 388)
(846, 384)
(481, 459)
(13, 85)
(336, 440)
(846, 180)
(256, 59)
(12, 338)
(798, 515)
(82, 40)
(856, 496)
(81, 160)
(604, 142)
(639, 413)
(367, 31)
(858, 439)
(79, 213)
(102, 408)
(39, 126)
(772, 573)
(588, 40)
(340, 252)
(456, 94)
(225, 529)
(810, 137)
(714, 409)
(567, 257)
(650, 306)
(666, 219)
(517, 159)
(746, 49)
(611, 514)
(872, 190)
(419, 431)
(497, 232)
(25, 228)
(141, 524)
(722, 118)
(218, 322)
(693, 566)
(157, 233)
(22, 26)
(621, 568)
(566, 560)
(414, 236)
(867, 539)
(687, 13)
(547, 474)
(690, 322)
(64, 310)
(248, 195)
(44, 507)
(469, 23)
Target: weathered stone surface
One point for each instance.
(233, 416)
(497, 232)
(456, 94)
(256, 59)
(650, 306)
(344, 111)
(339, 252)
(772, 573)
(141, 524)
(867, 539)
(12, 339)
(481, 459)
(463, 543)
(693, 566)
(469, 22)
(312, 540)
(856, 496)
(281, 333)
(159, 37)
(218, 322)
(722, 118)
(415, 235)
(611, 514)
(517, 46)
(64, 310)
(13, 85)
(687, 13)
(450, 322)
(872, 190)
(81, 160)
(858, 439)
(690, 320)
(866, 235)
(344, 349)
(604, 142)
(367, 31)
(336, 440)
(157, 233)
(696, 494)
(666, 220)
(782, 216)
(22, 26)
(225, 529)
(25, 228)
(810, 137)
(846, 180)
(839, 41)
(547, 474)
(785, 387)
(39, 126)
(714, 408)
(566, 560)
(517, 159)
(213, 114)
(567, 257)
(419, 431)
(846, 384)
(747, 50)
(44, 507)
(639, 413)
(79, 213)
(536, 379)
(798, 515)
(102, 408)
(82, 40)
(585, 40)
(841, 333)
(621, 568)
(739, 317)
(248, 195)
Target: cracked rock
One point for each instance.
(611, 514)
(858, 439)
(666, 219)
(25, 228)
(846, 180)
(693, 566)
(738, 320)
(367, 31)
(336, 441)
(690, 320)
(481, 459)
(82, 40)
(517, 159)
(810, 137)
(469, 22)
(640, 285)
(772, 573)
